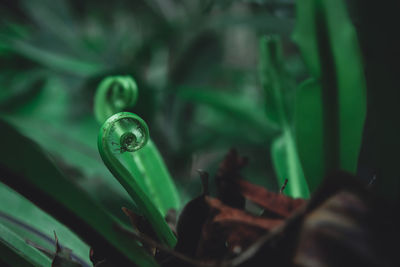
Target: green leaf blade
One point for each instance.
(287, 166)
(234, 105)
(333, 58)
(28, 221)
(309, 135)
(38, 179)
(16, 252)
(277, 85)
(160, 183)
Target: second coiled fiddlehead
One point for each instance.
(114, 94)
(132, 157)
(124, 133)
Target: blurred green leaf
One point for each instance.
(309, 135)
(57, 61)
(276, 86)
(164, 45)
(18, 87)
(330, 49)
(263, 22)
(287, 166)
(72, 142)
(32, 174)
(162, 190)
(31, 223)
(14, 251)
(207, 130)
(273, 79)
(237, 106)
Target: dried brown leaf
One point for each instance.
(274, 203)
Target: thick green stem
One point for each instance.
(125, 133)
(284, 151)
(114, 94)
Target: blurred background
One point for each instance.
(196, 64)
(212, 75)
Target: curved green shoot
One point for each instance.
(114, 94)
(126, 132)
(284, 151)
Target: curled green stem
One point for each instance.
(123, 133)
(114, 94)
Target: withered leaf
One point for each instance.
(335, 234)
(139, 223)
(342, 225)
(190, 225)
(227, 177)
(228, 231)
(351, 227)
(274, 203)
(226, 214)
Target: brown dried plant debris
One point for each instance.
(227, 177)
(343, 224)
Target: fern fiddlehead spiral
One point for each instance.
(123, 133)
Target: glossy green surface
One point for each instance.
(276, 86)
(115, 94)
(16, 252)
(111, 150)
(31, 223)
(329, 46)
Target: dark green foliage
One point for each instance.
(331, 107)
(54, 193)
(206, 76)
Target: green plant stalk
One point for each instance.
(298, 186)
(284, 150)
(126, 179)
(113, 95)
(157, 176)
